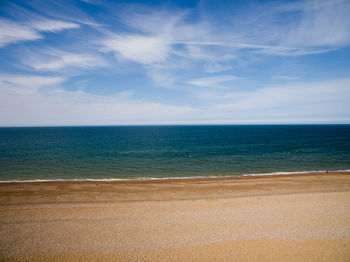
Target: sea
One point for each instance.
(153, 152)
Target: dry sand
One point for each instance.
(273, 218)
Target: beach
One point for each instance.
(299, 217)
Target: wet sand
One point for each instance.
(302, 217)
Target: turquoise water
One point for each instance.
(170, 151)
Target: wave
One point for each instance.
(169, 178)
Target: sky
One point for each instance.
(97, 62)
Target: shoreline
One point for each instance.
(143, 190)
(287, 173)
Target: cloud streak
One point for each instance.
(28, 81)
(57, 60)
(12, 32)
(320, 26)
(215, 81)
(53, 26)
(138, 48)
(162, 37)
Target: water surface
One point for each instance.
(170, 151)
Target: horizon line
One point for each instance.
(203, 124)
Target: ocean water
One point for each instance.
(33, 153)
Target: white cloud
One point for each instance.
(68, 12)
(12, 32)
(286, 29)
(57, 60)
(323, 23)
(137, 48)
(214, 81)
(28, 82)
(298, 28)
(48, 25)
(159, 34)
(231, 47)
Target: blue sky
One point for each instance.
(97, 62)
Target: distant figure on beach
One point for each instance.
(327, 171)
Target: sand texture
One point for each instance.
(272, 218)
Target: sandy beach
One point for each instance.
(303, 217)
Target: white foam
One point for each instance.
(168, 178)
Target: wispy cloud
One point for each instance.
(307, 33)
(50, 59)
(214, 81)
(323, 23)
(160, 37)
(162, 78)
(28, 83)
(297, 28)
(138, 48)
(54, 26)
(215, 67)
(59, 10)
(12, 32)
(284, 77)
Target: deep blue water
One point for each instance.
(170, 151)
